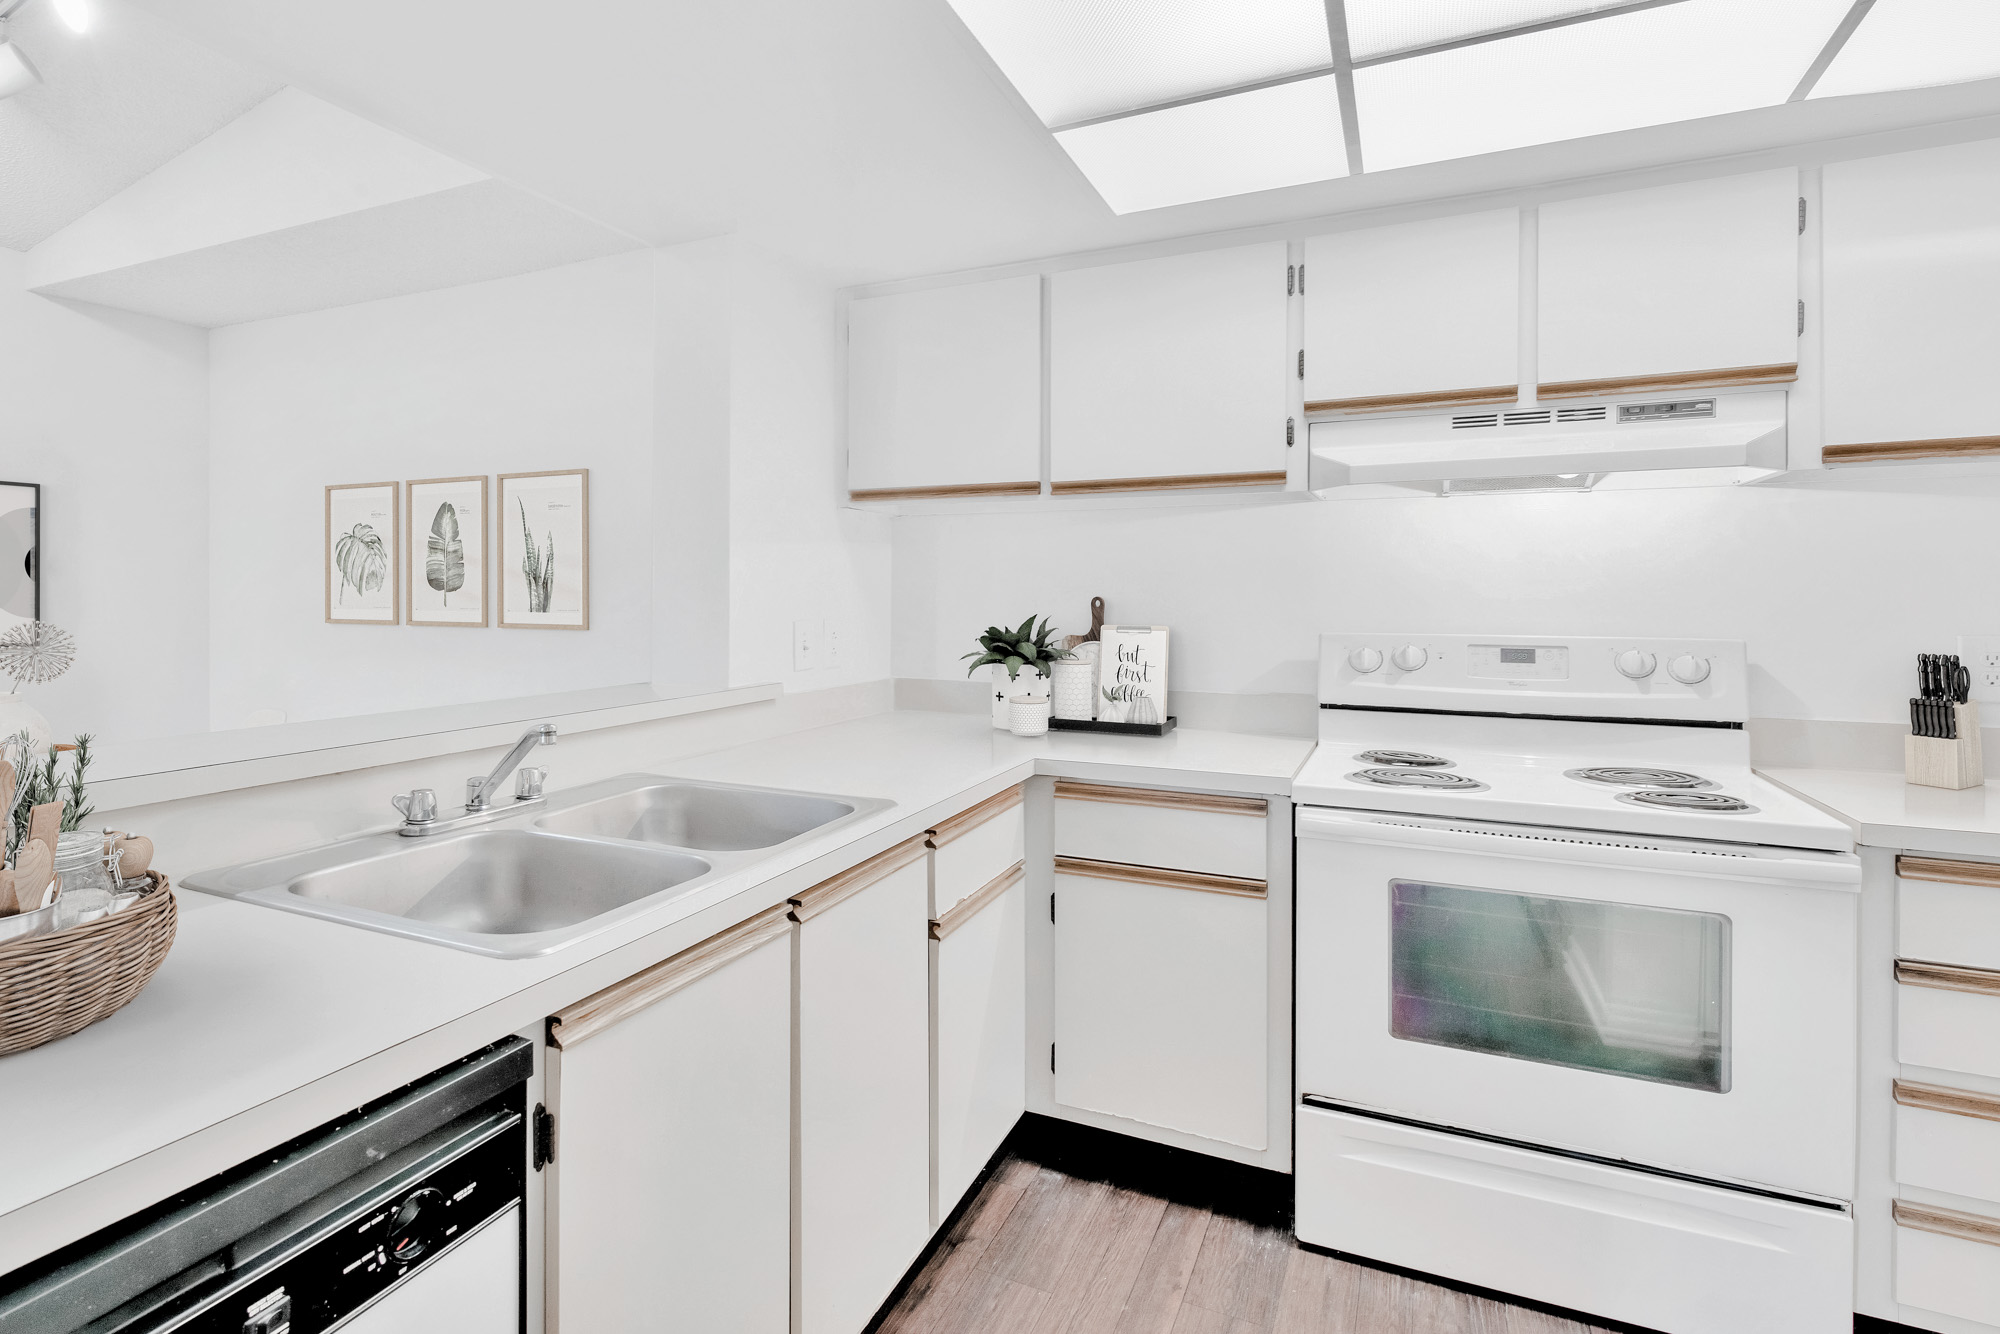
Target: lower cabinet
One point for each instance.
(670, 1193)
(1160, 998)
(981, 1030)
(864, 1202)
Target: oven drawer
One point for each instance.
(1518, 1221)
(976, 847)
(1948, 1139)
(1947, 1017)
(1948, 1261)
(1183, 831)
(1948, 911)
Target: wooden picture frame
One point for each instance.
(542, 516)
(364, 535)
(445, 519)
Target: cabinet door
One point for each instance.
(1693, 284)
(1161, 998)
(1912, 277)
(981, 1030)
(864, 1087)
(671, 1187)
(1421, 314)
(944, 389)
(1170, 372)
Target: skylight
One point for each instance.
(1163, 102)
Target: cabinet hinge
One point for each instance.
(1802, 215)
(1802, 319)
(1302, 363)
(1052, 1057)
(1052, 907)
(1291, 277)
(1302, 280)
(1289, 428)
(545, 1137)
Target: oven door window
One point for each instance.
(1622, 990)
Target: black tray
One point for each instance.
(1115, 729)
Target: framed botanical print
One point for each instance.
(363, 530)
(445, 532)
(20, 553)
(544, 526)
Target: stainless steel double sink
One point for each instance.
(527, 884)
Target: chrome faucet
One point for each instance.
(419, 808)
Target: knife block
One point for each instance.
(1931, 761)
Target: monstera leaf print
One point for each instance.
(362, 560)
(444, 566)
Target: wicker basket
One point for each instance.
(55, 984)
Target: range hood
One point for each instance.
(1551, 446)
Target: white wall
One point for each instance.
(107, 411)
(549, 370)
(1833, 590)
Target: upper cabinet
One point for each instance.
(1170, 373)
(945, 391)
(1693, 284)
(1911, 279)
(1421, 314)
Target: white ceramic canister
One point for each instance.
(1029, 682)
(1073, 688)
(1028, 715)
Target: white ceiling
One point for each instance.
(114, 104)
(871, 138)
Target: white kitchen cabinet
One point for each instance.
(1948, 1018)
(1948, 1260)
(864, 1086)
(1160, 1001)
(1419, 314)
(671, 1185)
(1170, 373)
(1188, 831)
(1693, 284)
(974, 846)
(1911, 266)
(944, 390)
(981, 1030)
(1948, 1139)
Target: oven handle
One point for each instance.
(1829, 869)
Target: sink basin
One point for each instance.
(703, 816)
(502, 882)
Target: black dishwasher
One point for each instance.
(403, 1213)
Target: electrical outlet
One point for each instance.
(806, 642)
(1980, 655)
(835, 633)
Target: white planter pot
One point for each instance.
(1028, 683)
(1028, 715)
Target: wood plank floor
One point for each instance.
(1042, 1252)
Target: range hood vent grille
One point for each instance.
(1487, 486)
(1597, 414)
(1528, 418)
(1475, 419)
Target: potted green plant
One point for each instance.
(1017, 661)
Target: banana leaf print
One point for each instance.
(444, 566)
(538, 565)
(362, 560)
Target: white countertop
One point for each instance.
(263, 1024)
(1887, 812)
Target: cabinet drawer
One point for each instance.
(1948, 1018)
(1183, 831)
(975, 847)
(1948, 1261)
(1948, 911)
(1948, 1139)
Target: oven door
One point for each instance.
(1687, 1006)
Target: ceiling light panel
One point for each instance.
(1075, 60)
(1262, 140)
(1916, 44)
(1620, 72)
(1383, 27)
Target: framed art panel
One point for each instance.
(20, 553)
(445, 532)
(362, 535)
(544, 520)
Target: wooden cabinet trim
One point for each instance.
(969, 819)
(968, 907)
(1151, 796)
(1910, 451)
(961, 491)
(1724, 378)
(810, 903)
(1440, 398)
(1946, 977)
(1948, 871)
(622, 1000)
(1940, 1098)
(1161, 876)
(1189, 482)
(1947, 1222)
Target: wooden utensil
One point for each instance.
(45, 824)
(8, 907)
(34, 868)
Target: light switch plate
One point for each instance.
(1981, 656)
(805, 645)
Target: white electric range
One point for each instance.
(1576, 988)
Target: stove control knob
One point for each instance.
(1688, 669)
(1635, 664)
(1409, 657)
(1365, 660)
